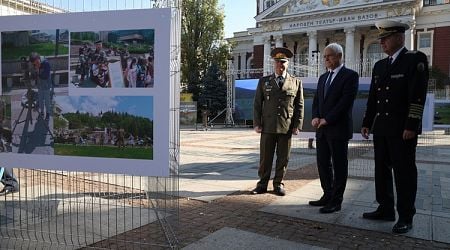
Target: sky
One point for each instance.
(134, 105)
(239, 14)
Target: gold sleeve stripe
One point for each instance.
(415, 111)
(417, 105)
(419, 117)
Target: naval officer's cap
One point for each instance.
(388, 27)
(281, 54)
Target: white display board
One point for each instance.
(90, 126)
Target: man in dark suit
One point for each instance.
(332, 118)
(278, 113)
(394, 115)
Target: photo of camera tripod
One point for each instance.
(36, 135)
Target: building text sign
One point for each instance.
(335, 20)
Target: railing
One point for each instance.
(440, 94)
(435, 2)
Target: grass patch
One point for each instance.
(442, 114)
(104, 151)
(44, 49)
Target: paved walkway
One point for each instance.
(219, 168)
(237, 155)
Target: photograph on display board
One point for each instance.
(188, 113)
(104, 126)
(49, 50)
(5, 124)
(112, 59)
(34, 70)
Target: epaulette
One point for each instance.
(267, 79)
(418, 53)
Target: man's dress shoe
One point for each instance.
(319, 203)
(401, 227)
(330, 208)
(279, 190)
(259, 190)
(8, 190)
(379, 215)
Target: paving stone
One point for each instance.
(230, 238)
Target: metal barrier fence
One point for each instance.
(361, 152)
(60, 209)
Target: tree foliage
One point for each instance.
(135, 125)
(214, 92)
(202, 45)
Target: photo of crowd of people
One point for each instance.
(112, 59)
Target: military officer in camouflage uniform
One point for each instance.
(278, 113)
(394, 116)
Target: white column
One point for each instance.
(349, 46)
(235, 64)
(312, 47)
(278, 41)
(266, 63)
(409, 37)
(243, 64)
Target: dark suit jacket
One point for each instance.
(337, 106)
(278, 110)
(397, 94)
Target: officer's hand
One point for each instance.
(408, 134)
(258, 129)
(322, 122)
(295, 131)
(365, 132)
(315, 122)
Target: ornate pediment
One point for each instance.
(294, 7)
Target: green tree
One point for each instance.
(214, 93)
(201, 42)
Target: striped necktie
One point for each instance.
(280, 81)
(328, 83)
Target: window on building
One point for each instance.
(424, 40)
(269, 3)
(425, 44)
(435, 2)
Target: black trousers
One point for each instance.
(393, 154)
(269, 143)
(332, 163)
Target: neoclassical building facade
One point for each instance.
(307, 26)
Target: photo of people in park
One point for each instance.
(104, 126)
(112, 59)
(5, 124)
(34, 70)
(20, 73)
